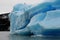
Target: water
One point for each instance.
(7, 36)
(18, 37)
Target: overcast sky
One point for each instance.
(7, 5)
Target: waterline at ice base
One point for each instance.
(42, 19)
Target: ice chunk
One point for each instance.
(37, 20)
(19, 19)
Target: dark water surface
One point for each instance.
(18, 37)
(7, 36)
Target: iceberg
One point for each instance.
(40, 19)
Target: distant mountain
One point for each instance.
(4, 22)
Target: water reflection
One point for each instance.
(18, 37)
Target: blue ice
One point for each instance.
(41, 19)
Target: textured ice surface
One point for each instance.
(42, 19)
(21, 7)
(52, 20)
(56, 4)
(18, 19)
(51, 23)
(37, 18)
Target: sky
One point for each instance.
(7, 5)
